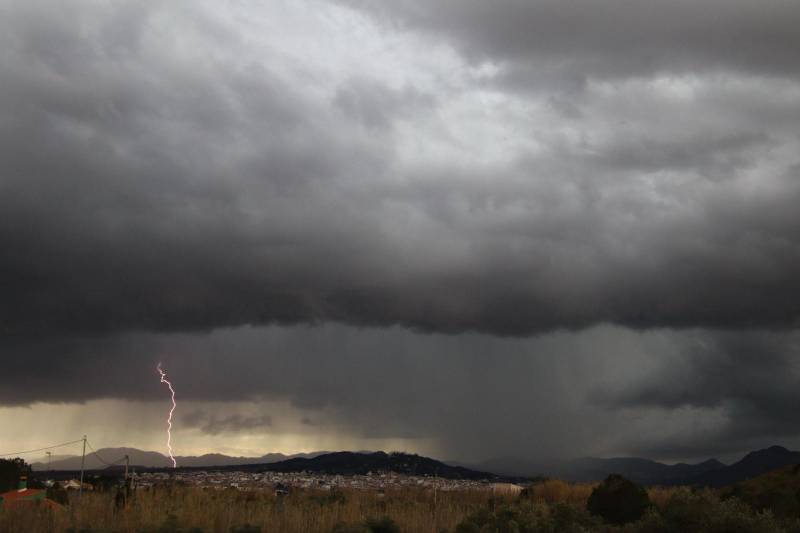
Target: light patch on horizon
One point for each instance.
(136, 424)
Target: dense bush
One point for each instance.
(372, 525)
(686, 512)
(10, 472)
(618, 500)
(382, 525)
(58, 494)
(530, 518)
(690, 511)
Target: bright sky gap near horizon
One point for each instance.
(465, 229)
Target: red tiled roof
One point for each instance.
(26, 497)
(24, 494)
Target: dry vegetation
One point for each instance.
(185, 509)
(225, 511)
(553, 491)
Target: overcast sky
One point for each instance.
(462, 228)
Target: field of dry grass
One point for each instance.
(224, 511)
(185, 509)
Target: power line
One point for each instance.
(41, 449)
(99, 458)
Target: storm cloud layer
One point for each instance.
(176, 169)
(479, 191)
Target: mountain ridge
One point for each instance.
(708, 473)
(101, 458)
(711, 472)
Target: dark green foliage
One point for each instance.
(382, 525)
(703, 512)
(467, 527)
(618, 500)
(777, 491)
(372, 525)
(782, 501)
(10, 472)
(58, 494)
(529, 518)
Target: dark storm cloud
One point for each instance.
(148, 185)
(213, 425)
(602, 391)
(751, 379)
(475, 395)
(615, 38)
(486, 170)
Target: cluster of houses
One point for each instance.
(280, 481)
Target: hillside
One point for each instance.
(352, 463)
(777, 490)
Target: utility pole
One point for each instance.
(83, 462)
(49, 457)
(127, 462)
(435, 486)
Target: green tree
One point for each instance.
(618, 500)
(10, 472)
(382, 525)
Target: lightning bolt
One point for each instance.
(169, 418)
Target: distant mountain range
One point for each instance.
(140, 458)
(751, 465)
(711, 473)
(637, 469)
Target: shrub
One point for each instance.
(57, 494)
(371, 525)
(529, 518)
(467, 527)
(10, 472)
(383, 525)
(618, 500)
(703, 512)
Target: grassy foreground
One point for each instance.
(553, 506)
(185, 509)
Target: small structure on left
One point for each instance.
(24, 496)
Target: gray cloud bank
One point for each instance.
(228, 424)
(486, 170)
(609, 39)
(605, 390)
(164, 170)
